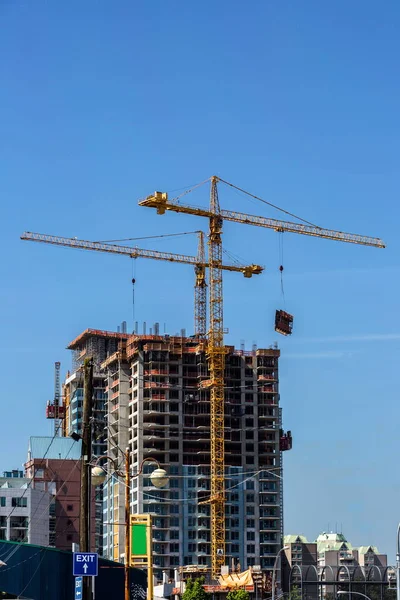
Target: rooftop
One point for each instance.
(82, 337)
(295, 539)
(14, 482)
(54, 448)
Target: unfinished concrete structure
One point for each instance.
(157, 407)
(97, 344)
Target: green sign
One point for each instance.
(138, 539)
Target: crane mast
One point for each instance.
(54, 408)
(216, 358)
(57, 398)
(200, 291)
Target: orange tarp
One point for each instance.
(236, 580)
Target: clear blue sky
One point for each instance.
(102, 103)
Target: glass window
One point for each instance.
(19, 502)
(2, 501)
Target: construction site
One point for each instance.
(207, 412)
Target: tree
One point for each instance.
(238, 595)
(195, 591)
(295, 593)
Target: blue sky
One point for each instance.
(102, 103)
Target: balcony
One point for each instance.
(23, 524)
(266, 377)
(153, 450)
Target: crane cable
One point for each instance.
(281, 268)
(147, 237)
(269, 203)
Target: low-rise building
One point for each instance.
(328, 551)
(54, 466)
(24, 510)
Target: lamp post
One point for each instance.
(342, 592)
(158, 478)
(274, 570)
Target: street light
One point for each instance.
(350, 594)
(274, 570)
(159, 478)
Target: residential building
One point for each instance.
(368, 556)
(157, 406)
(299, 553)
(335, 551)
(24, 510)
(330, 550)
(53, 465)
(97, 345)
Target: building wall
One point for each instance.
(61, 479)
(23, 513)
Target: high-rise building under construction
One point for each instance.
(98, 345)
(149, 397)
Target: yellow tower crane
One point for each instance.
(215, 346)
(199, 263)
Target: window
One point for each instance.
(250, 523)
(39, 473)
(251, 548)
(19, 502)
(251, 536)
(174, 535)
(2, 501)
